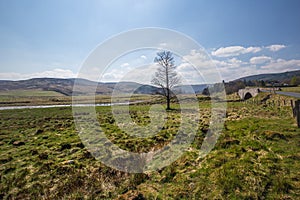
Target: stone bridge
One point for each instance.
(248, 93)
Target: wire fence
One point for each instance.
(278, 102)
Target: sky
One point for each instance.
(53, 38)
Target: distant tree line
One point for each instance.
(230, 87)
(295, 80)
(234, 86)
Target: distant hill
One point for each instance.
(190, 89)
(279, 77)
(65, 86)
(86, 87)
(284, 79)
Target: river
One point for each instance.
(65, 105)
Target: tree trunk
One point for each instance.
(168, 103)
(168, 88)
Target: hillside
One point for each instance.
(65, 86)
(190, 89)
(284, 77)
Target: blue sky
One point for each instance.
(52, 38)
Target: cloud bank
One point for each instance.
(56, 73)
(234, 51)
(276, 47)
(230, 62)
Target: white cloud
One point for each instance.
(260, 59)
(239, 50)
(228, 51)
(56, 73)
(199, 59)
(163, 44)
(233, 68)
(234, 51)
(140, 74)
(252, 50)
(144, 57)
(198, 67)
(125, 65)
(234, 60)
(188, 74)
(184, 67)
(237, 70)
(276, 47)
(232, 63)
(112, 76)
(281, 65)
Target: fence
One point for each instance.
(295, 105)
(269, 102)
(296, 111)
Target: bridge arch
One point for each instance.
(248, 93)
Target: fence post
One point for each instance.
(297, 107)
(293, 108)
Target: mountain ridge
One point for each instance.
(65, 86)
(282, 76)
(87, 87)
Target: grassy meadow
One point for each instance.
(256, 157)
(291, 89)
(41, 97)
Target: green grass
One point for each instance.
(30, 93)
(36, 97)
(291, 89)
(256, 157)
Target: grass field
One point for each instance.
(30, 93)
(291, 89)
(39, 97)
(256, 157)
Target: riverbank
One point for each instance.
(67, 105)
(24, 99)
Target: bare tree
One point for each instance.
(166, 76)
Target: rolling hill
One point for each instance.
(85, 87)
(281, 77)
